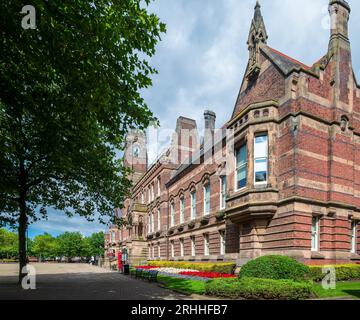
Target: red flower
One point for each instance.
(146, 267)
(210, 275)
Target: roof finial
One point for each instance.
(258, 29)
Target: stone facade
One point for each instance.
(290, 156)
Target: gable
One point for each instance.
(269, 85)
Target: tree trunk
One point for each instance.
(23, 222)
(22, 239)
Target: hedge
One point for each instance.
(275, 267)
(221, 267)
(259, 289)
(344, 272)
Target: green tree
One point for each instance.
(70, 244)
(95, 244)
(8, 244)
(69, 93)
(44, 246)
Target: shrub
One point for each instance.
(344, 272)
(275, 267)
(258, 289)
(221, 267)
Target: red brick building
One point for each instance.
(281, 177)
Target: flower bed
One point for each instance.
(221, 267)
(146, 267)
(185, 273)
(208, 275)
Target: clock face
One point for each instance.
(136, 151)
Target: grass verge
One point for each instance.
(183, 285)
(343, 289)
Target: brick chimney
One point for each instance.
(210, 118)
(185, 141)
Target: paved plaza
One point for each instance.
(80, 281)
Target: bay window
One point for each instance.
(241, 167)
(261, 159)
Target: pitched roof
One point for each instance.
(284, 62)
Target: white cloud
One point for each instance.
(203, 57)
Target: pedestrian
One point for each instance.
(92, 260)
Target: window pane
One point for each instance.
(207, 198)
(193, 204)
(223, 192)
(241, 177)
(261, 147)
(261, 170)
(314, 233)
(241, 157)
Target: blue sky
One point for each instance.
(202, 58)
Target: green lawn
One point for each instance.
(343, 289)
(184, 285)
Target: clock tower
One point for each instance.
(135, 156)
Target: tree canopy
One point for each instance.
(69, 93)
(8, 244)
(46, 246)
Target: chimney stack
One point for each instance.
(339, 16)
(210, 118)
